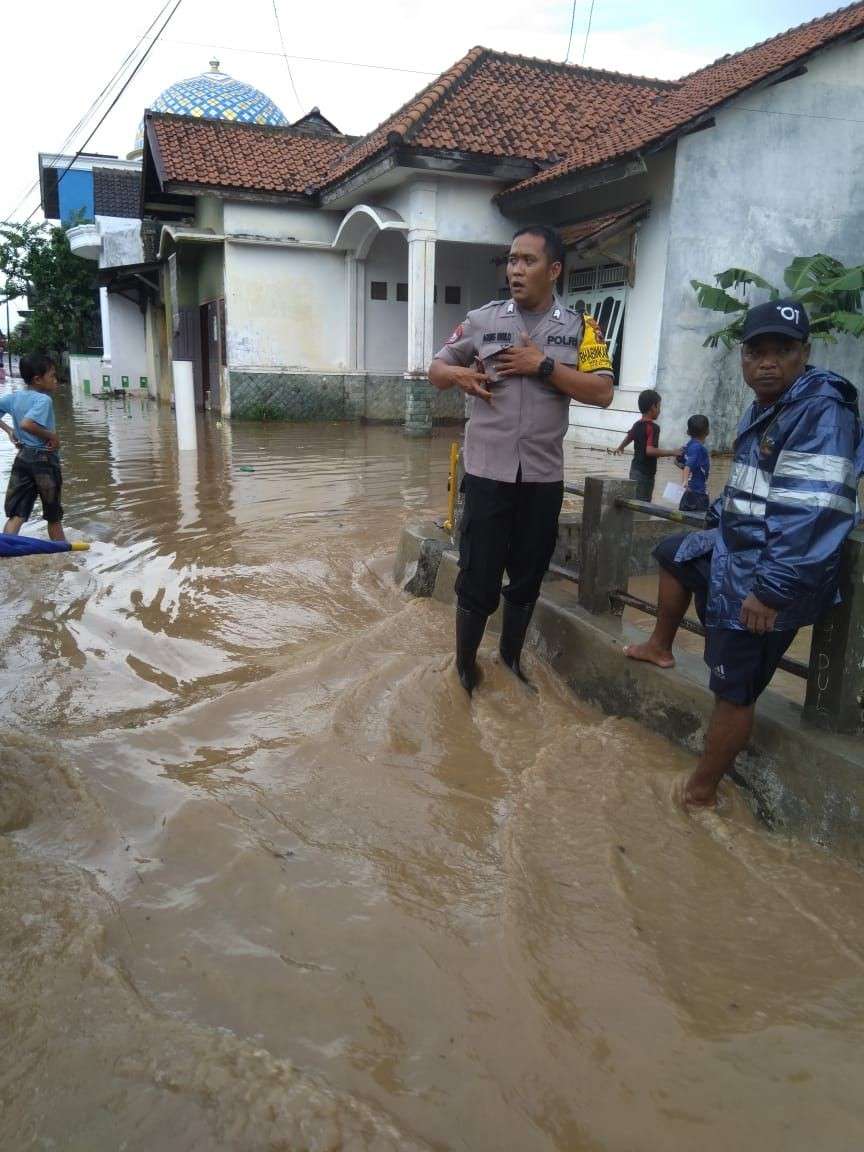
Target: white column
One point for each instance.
(421, 300)
(423, 222)
(105, 314)
(184, 406)
(355, 310)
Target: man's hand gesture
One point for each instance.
(522, 359)
(472, 381)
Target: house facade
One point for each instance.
(311, 275)
(97, 198)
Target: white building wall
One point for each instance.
(386, 339)
(781, 175)
(123, 327)
(640, 338)
(468, 267)
(280, 221)
(128, 344)
(285, 308)
(465, 210)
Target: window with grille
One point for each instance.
(452, 294)
(402, 293)
(379, 289)
(602, 276)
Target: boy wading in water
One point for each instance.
(771, 564)
(36, 469)
(645, 438)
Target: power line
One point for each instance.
(94, 104)
(285, 56)
(588, 31)
(303, 59)
(113, 103)
(570, 38)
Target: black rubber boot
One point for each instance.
(469, 632)
(514, 625)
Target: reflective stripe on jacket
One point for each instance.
(790, 503)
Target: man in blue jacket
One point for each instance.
(771, 564)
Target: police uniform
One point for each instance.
(514, 460)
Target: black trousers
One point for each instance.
(505, 527)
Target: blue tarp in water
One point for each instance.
(29, 545)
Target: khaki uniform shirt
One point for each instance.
(525, 424)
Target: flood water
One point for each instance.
(269, 882)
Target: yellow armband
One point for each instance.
(593, 352)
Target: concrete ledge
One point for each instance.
(419, 556)
(797, 779)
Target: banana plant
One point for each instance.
(830, 292)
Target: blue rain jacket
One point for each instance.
(790, 502)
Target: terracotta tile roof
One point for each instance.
(497, 105)
(702, 91)
(219, 154)
(489, 105)
(577, 234)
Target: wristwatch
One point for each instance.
(547, 367)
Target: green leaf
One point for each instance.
(716, 299)
(738, 277)
(728, 336)
(852, 280)
(808, 272)
(851, 322)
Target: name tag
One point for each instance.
(497, 337)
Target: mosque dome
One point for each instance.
(215, 96)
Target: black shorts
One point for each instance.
(741, 663)
(644, 478)
(35, 472)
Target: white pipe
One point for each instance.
(184, 406)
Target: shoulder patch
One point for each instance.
(457, 335)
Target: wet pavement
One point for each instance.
(267, 881)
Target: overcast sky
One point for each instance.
(57, 56)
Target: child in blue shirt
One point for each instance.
(696, 464)
(36, 468)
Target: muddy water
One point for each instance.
(268, 882)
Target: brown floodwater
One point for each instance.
(269, 882)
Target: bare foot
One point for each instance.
(682, 797)
(651, 654)
(698, 795)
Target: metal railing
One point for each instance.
(625, 599)
(835, 674)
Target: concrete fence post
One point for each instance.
(184, 405)
(418, 405)
(607, 535)
(835, 683)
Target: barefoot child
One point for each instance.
(36, 469)
(645, 438)
(771, 565)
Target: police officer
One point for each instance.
(521, 361)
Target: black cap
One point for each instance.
(777, 318)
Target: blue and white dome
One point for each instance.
(216, 96)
